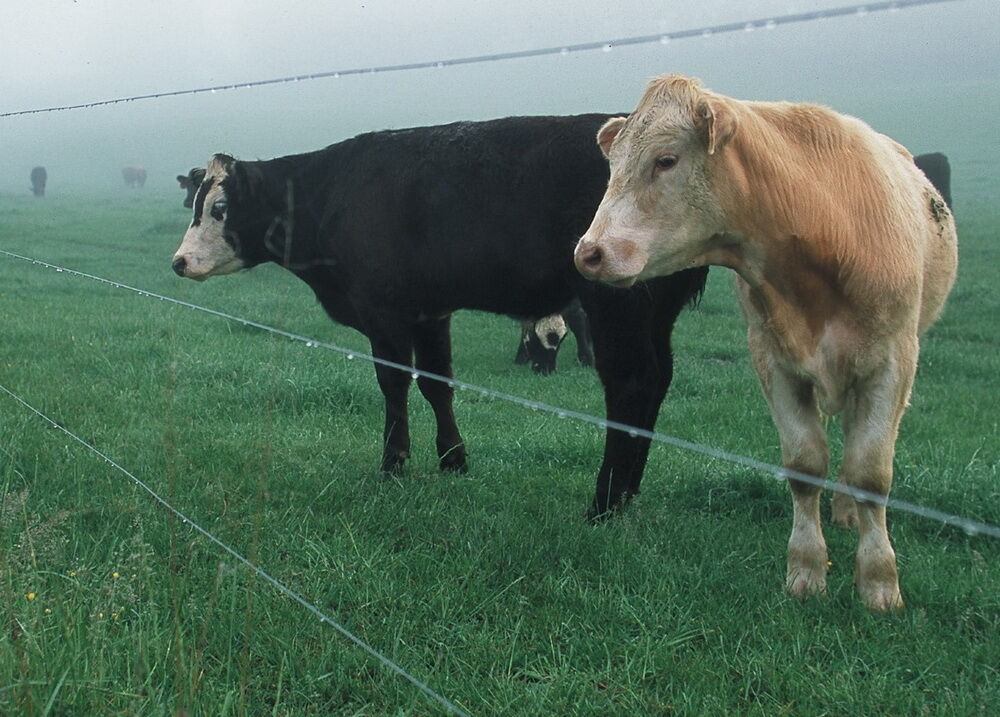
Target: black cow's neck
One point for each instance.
(286, 195)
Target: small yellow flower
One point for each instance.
(114, 616)
(114, 575)
(72, 573)
(48, 611)
(30, 596)
(829, 564)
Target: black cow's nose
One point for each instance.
(180, 263)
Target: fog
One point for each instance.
(914, 73)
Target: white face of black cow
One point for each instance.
(551, 330)
(204, 251)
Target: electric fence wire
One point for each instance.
(274, 582)
(971, 527)
(663, 38)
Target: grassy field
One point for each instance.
(489, 586)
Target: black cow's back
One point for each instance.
(474, 215)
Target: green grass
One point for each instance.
(489, 586)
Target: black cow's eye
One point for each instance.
(219, 209)
(667, 161)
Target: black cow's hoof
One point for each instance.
(600, 514)
(392, 464)
(596, 516)
(455, 461)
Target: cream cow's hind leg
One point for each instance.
(871, 423)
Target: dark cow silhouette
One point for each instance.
(937, 169)
(134, 176)
(396, 230)
(541, 339)
(190, 183)
(38, 179)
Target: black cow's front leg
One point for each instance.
(432, 348)
(395, 384)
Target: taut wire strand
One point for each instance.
(971, 527)
(767, 23)
(274, 582)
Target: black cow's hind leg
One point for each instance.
(628, 367)
(432, 348)
(632, 346)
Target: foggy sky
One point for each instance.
(57, 52)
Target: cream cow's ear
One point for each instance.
(717, 121)
(607, 133)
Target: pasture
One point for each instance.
(490, 586)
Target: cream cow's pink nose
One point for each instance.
(589, 257)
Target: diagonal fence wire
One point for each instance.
(266, 577)
(971, 527)
(663, 38)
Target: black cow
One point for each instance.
(190, 182)
(134, 176)
(541, 339)
(936, 168)
(38, 178)
(395, 230)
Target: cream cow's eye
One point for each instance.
(665, 162)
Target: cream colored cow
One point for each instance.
(844, 255)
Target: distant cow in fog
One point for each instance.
(936, 168)
(134, 176)
(190, 182)
(540, 340)
(38, 178)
